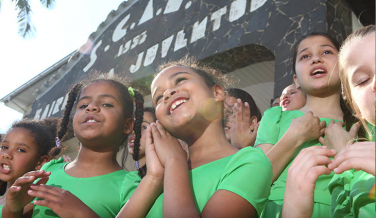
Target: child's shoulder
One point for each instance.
(53, 163)
(276, 115)
(250, 156)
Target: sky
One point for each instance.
(59, 32)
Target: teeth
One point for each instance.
(6, 167)
(176, 104)
(91, 121)
(132, 141)
(318, 71)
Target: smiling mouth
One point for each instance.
(285, 103)
(177, 104)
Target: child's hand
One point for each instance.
(302, 175)
(17, 197)
(62, 202)
(241, 126)
(153, 164)
(336, 137)
(358, 156)
(167, 147)
(307, 127)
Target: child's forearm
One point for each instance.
(281, 153)
(143, 198)
(8, 214)
(178, 198)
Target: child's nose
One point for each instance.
(93, 107)
(7, 155)
(169, 93)
(316, 59)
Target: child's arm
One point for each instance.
(62, 202)
(302, 129)
(241, 126)
(301, 180)
(17, 197)
(150, 186)
(358, 156)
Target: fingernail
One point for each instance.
(239, 100)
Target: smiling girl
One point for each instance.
(215, 181)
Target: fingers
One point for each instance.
(154, 130)
(354, 129)
(314, 173)
(322, 124)
(322, 140)
(160, 128)
(246, 113)
(47, 188)
(149, 136)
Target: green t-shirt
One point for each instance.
(351, 192)
(273, 126)
(248, 173)
(104, 194)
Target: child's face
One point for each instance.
(360, 67)
(182, 100)
(292, 98)
(148, 118)
(19, 154)
(316, 66)
(99, 116)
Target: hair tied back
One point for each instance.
(58, 143)
(131, 92)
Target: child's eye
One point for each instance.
(328, 52)
(362, 82)
(144, 127)
(292, 93)
(108, 105)
(304, 57)
(83, 106)
(157, 99)
(180, 79)
(3, 147)
(21, 150)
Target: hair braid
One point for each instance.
(68, 108)
(139, 116)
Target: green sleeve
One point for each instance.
(130, 183)
(249, 175)
(52, 162)
(268, 130)
(351, 195)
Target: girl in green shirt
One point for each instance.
(282, 134)
(92, 184)
(354, 164)
(218, 180)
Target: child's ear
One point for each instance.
(128, 128)
(253, 123)
(296, 82)
(42, 160)
(219, 92)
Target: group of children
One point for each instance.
(307, 158)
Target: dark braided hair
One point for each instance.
(126, 101)
(348, 116)
(136, 148)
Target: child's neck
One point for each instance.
(324, 107)
(210, 146)
(89, 163)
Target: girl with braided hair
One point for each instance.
(27, 146)
(214, 182)
(138, 152)
(92, 184)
